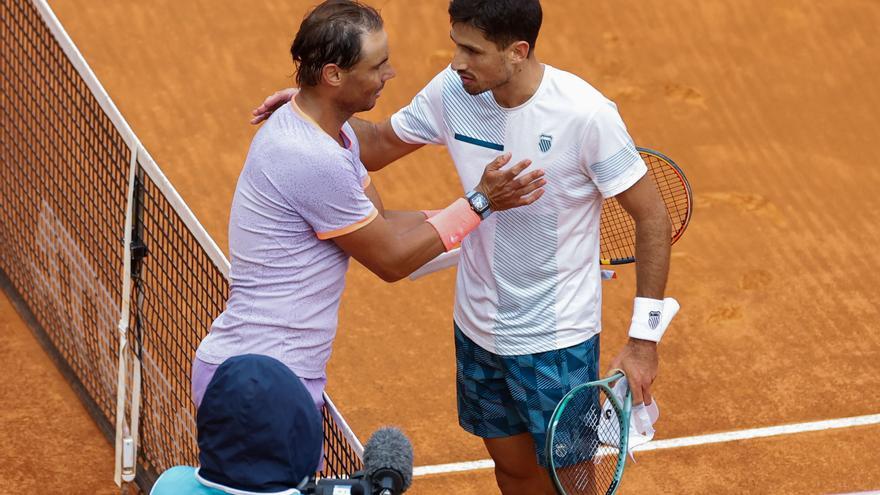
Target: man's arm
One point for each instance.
(379, 143)
(653, 232)
(401, 220)
(393, 249)
(390, 251)
(642, 201)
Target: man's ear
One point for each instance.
(519, 52)
(332, 75)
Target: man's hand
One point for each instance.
(271, 104)
(639, 362)
(505, 190)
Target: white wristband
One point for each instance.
(651, 317)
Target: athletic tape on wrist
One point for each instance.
(651, 317)
(455, 222)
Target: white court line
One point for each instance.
(674, 443)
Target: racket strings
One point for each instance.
(673, 190)
(617, 234)
(585, 445)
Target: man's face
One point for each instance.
(478, 61)
(363, 83)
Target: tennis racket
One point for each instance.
(588, 433)
(617, 233)
(586, 448)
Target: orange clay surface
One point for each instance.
(772, 109)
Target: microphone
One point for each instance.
(388, 469)
(388, 461)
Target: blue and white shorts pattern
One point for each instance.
(502, 396)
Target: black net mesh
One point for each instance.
(63, 181)
(63, 189)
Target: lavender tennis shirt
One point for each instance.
(299, 189)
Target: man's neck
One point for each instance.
(323, 111)
(522, 85)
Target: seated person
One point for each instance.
(258, 432)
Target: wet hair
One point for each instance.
(331, 34)
(502, 21)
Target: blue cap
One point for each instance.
(258, 427)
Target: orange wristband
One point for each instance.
(455, 222)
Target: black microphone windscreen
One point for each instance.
(389, 448)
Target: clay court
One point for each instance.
(771, 108)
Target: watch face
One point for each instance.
(479, 202)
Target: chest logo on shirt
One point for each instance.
(545, 143)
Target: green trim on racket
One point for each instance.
(617, 229)
(555, 436)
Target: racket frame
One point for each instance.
(623, 410)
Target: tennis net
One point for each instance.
(116, 275)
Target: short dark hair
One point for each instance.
(331, 34)
(502, 21)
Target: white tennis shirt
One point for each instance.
(529, 279)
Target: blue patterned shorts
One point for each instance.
(501, 396)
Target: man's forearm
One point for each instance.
(410, 249)
(402, 221)
(652, 253)
(639, 358)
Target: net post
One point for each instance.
(137, 252)
(120, 470)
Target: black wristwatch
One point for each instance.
(479, 203)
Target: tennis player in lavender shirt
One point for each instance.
(304, 205)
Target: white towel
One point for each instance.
(641, 421)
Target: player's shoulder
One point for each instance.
(297, 161)
(291, 138)
(575, 94)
